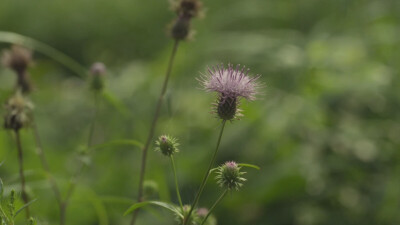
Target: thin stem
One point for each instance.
(215, 204)
(176, 183)
(203, 183)
(45, 164)
(46, 167)
(21, 172)
(152, 129)
(75, 177)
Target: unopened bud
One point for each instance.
(167, 145)
(97, 72)
(229, 176)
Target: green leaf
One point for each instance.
(23, 207)
(119, 143)
(157, 203)
(249, 165)
(45, 49)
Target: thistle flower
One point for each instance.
(97, 72)
(229, 176)
(18, 112)
(18, 59)
(167, 145)
(231, 84)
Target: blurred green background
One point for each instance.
(325, 131)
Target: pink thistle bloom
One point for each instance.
(231, 83)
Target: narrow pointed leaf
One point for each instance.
(23, 207)
(249, 165)
(157, 203)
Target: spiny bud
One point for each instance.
(167, 145)
(194, 218)
(18, 59)
(97, 72)
(18, 111)
(229, 176)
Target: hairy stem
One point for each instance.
(214, 205)
(152, 129)
(176, 183)
(74, 178)
(203, 183)
(21, 172)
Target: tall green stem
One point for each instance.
(152, 129)
(203, 183)
(176, 182)
(74, 178)
(25, 197)
(213, 206)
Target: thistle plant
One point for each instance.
(231, 84)
(180, 29)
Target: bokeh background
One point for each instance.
(325, 132)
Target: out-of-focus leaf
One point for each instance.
(98, 206)
(157, 203)
(45, 49)
(23, 207)
(117, 104)
(1, 189)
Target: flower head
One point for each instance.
(167, 145)
(18, 112)
(231, 84)
(194, 218)
(229, 176)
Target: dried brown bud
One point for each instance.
(18, 59)
(18, 112)
(180, 29)
(188, 8)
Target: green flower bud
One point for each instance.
(167, 145)
(229, 176)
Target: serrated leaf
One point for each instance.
(249, 165)
(118, 143)
(23, 207)
(157, 203)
